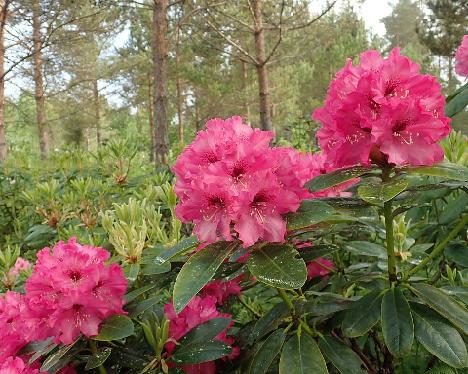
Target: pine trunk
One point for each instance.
(39, 82)
(161, 138)
(262, 73)
(97, 111)
(3, 142)
(151, 117)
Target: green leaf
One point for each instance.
(145, 305)
(268, 322)
(277, 266)
(198, 271)
(267, 352)
(319, 308)
(301, 355)
(96, 360)
(439, 338)
(457, 102)
(114, 328)
(334, 178)
(443, 304)
(459, 292)
(203, 352)
(315, 251)
(441, 368)
(363, 248)
(397, 322)
(132, 272)
(341, 356)
(181, 247)
(378, 192)
(310, 213)
(153, 269)
(445, 169)
(363, 314)
(206, 331)
(458, 253)
(54, 358)
(41, 348)
(139, 291)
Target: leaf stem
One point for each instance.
(438, 249)
(392, 276)
(93, 347)
(286, 300)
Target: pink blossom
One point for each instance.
(461, 58)
(222, 290)
(16, 365)
(21, 265)
(372, 95)
(71, 291)
(315, 268)
(198, 311)
(229, 182)
(12, 328)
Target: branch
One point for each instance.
(313, 20)
(280, 37)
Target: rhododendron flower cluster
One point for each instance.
(221, 291)
(461, 58)
(71, 291)
(232, 183)
(319, 268)
(198, 311)
(382, 111)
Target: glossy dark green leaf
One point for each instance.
(206, 331)
(277, 265)
(202, 352)
(363, 248)
(458, 253)
(267, 353)
(457, 102)
(443, 304)
(114, 328)
(341, 356)
(441, 368)
(362, 315)
(198, 271)
(460, 292)
(301, 355)
(439, 338)
(41, 348)
(96, 360)
(268, 322)
(153, 269)
(183, 246)
(315, 251)
(145, 305)
(55, 357)
(445, 169)
(397, 322)
(132, 272)
(334, 178)
(320, 308)
(139, 291)
(378, 192)
(310, 213)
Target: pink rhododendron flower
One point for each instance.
(231, 183)
(71, 291)
(461, 58)
(315, 268)
(21, 265)
(198, 311)
(16, 365)
(12, 328)
(363, 117)
(222, 290)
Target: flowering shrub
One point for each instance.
(382, 111)
(382, 289)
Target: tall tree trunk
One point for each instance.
(151, 117)
(245, 80)
(97, 111)
(3, 17)
(262, 73)
(161, 139)
(180, 114)
(39, 82)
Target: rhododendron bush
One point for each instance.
(259, 258)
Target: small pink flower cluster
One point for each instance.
(232, 183)
(461, 58)
(200, 310)
(70, 292)
(382, 111)
(317, 268)
(11, 278)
